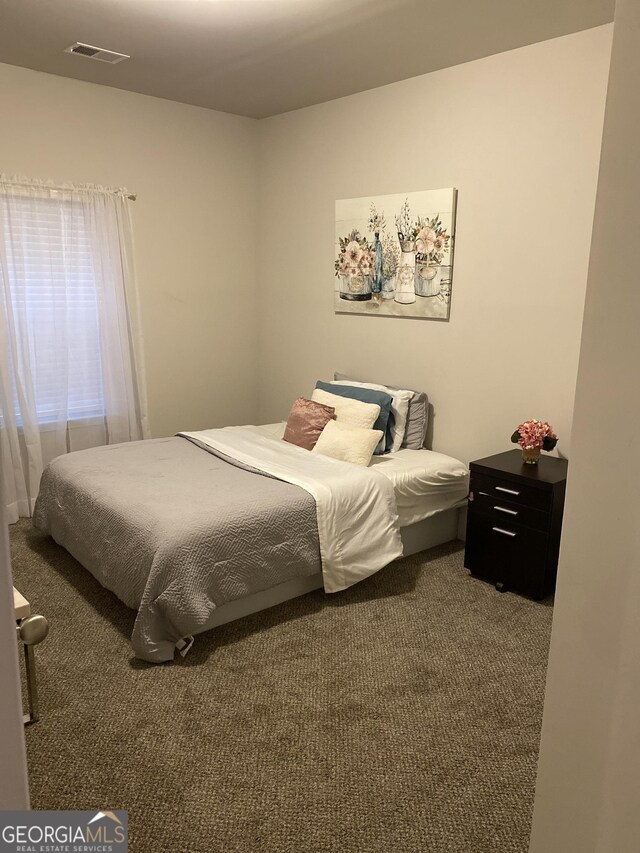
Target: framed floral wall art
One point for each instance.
(394, 254)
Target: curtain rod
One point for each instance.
(45, 185)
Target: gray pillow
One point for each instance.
(417, 418)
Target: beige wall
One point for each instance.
(229, 207)
(519, 135)
(589, 769)
(194, 171)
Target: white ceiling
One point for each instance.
(263, 57)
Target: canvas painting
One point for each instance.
(394, 254)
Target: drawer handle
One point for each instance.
(504, 532)
(508, 491)
(508, 511)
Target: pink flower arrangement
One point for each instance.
(535, 433)
(356, 256)
(432, 241)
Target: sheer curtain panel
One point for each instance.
(71, 369)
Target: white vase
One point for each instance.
(406, 273)
(389, 287)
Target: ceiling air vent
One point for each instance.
(98, 53)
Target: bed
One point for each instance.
(199, 529)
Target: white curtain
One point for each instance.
(71, 367)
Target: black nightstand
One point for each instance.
(514, 522)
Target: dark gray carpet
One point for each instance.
(402, 715)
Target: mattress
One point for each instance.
(424, 482)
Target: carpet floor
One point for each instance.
(400, 716)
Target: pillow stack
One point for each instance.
(351, 421)
(344, 399)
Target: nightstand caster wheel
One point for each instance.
(501, 587)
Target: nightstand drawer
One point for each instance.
(505, 512)
(515, 493)
(506, 553)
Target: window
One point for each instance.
(71, 358)
(51, 285)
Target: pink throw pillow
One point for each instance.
(306, 421)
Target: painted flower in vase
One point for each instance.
(534, 436)
(432, 242)
(390, 256)
(405, 291)
(377, 222)
(354, 265)
(425, 239)
(366, 263)
(390, 260)
(376, 225)
(407, 229)
(440, 246)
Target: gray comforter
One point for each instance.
(175, 531)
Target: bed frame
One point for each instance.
(436, 530)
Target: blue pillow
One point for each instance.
(385, 421)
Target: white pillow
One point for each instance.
(348, 443)
(349, 411)
(400, 400)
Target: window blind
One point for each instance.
(52, 288)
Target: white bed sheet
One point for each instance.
(424, 482)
